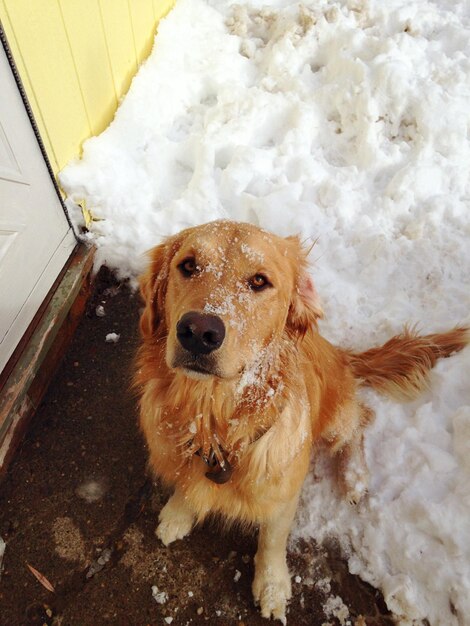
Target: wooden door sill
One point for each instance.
(32, 366)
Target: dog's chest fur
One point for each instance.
(267, 441)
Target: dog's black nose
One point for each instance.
(200, 333)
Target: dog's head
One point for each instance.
(222, 294)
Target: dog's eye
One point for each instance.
(188, 267)
(258, 282)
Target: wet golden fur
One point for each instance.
(277, 386)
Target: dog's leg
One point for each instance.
(352, 472)
(271, 585)
(347, 448)
(176, 519)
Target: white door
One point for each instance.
(35, 237)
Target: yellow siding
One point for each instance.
(76, 59)
(98, 94)
(143, 25)
(161, 8)
(120, 41)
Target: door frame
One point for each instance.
(32, 120)
(31, 367)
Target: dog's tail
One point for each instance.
(400, 367)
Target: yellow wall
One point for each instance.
(76, 59)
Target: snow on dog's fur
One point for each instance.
(237, 384)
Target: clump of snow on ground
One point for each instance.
(335, 607)
(112, 338)
(3, 546)
(159, 596)
(92, 490)
(346, 121)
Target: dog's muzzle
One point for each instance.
(200, 333)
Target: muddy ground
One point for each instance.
(78, 507)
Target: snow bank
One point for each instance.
(345, 121)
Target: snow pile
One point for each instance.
(346, 121)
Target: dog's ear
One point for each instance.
(305, 308)
(153, 285)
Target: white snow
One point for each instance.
(335, 607)
(3, 546)
(160, 597)
(112, 338)
(346, 121)
(91, 490)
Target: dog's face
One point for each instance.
(223, 294)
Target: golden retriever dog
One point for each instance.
(236, 385)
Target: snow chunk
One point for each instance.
(92, 490)
(112, 338)
(161, 597)
(3, 546)
(335, 607)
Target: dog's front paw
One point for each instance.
(169, 531)
(271, 591)
(175, 523)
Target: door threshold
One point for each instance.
(32, 366)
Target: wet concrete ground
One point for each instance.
(78, 507)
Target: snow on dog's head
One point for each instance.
(224, 293)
